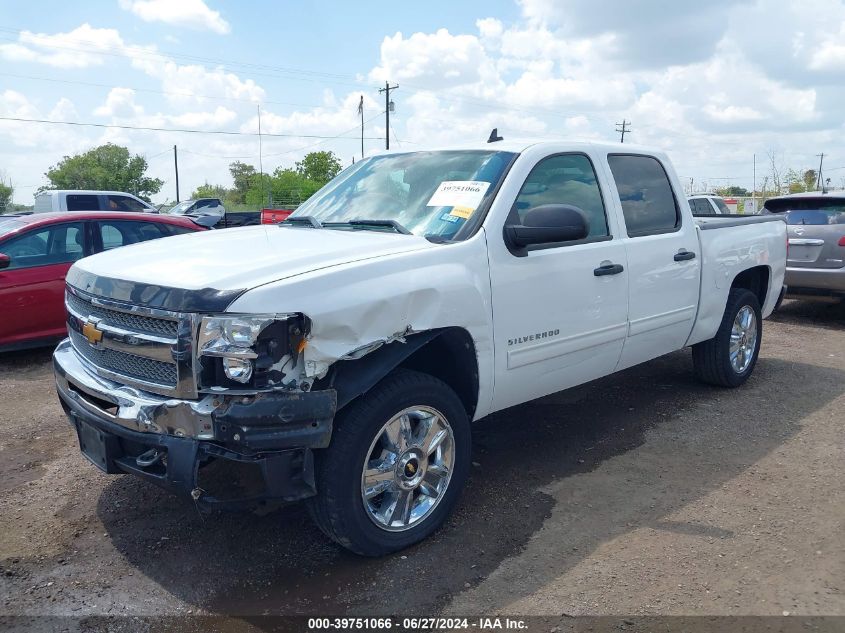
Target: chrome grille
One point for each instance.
(123, 320)
(130, 365)
(148, 348)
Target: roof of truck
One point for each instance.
(520, 145)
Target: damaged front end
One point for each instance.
(165, 396)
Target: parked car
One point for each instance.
(87, 200)
(707, 204)
(210, 213)
(343, 352)
(200, 206)
(815, 264)
(36, 252)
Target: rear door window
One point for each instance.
(648, 202)
(117, 233)
(83, 202)
(123, 203)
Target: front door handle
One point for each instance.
(608, 269)
(682, 256)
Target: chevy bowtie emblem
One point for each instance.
(90, 332)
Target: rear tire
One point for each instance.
(408, 437)
(728, 359)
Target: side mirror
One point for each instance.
(5, 261)
(548, 224)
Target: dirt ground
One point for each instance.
(644, 493)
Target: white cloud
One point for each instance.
(190, 13)
(120, 102)
(79, 48)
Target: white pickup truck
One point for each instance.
(343, 353)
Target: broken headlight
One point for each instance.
(238, 351)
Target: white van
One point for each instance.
(86, 200)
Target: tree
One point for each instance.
(810, 178)
(6, 192)
(319, 167)
(210, 191)
(733, 190)
(243, 175)
(107, 167)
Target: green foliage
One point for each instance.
(108, 167)
(6, 192)
(243, 176)
(799, 182)
(210, 191)
(285, 186)
(727, 192)
(319, 167)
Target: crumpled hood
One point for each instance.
(241, 258)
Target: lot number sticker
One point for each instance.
(463, 195)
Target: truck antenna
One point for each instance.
(494, 136)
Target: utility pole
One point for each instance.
(361, 112)
(388, 108)
(754, 170)
(260, 156)
(623, 127)
(819, 180)
(176, 166)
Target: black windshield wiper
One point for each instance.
(302, 220)
(392, 224)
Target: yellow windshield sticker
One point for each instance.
(461, 212)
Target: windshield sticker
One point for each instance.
(461, 212)
(446, 217)
(459, 193)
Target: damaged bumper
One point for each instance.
(167, 441)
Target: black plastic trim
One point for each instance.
(151, 295)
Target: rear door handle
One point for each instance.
(608, 269)
(682, 256)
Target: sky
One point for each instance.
(714, 84)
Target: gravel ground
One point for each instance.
(642, 493)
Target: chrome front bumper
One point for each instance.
(127, 406)
(165, 440)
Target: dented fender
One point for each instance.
(359, 308)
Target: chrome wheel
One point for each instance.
(408, 468)
(743, 339)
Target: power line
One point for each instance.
(162, 129)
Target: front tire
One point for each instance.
(398, 460)
(728, 359)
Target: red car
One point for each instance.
(36, 252)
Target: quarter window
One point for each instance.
(648, 202)
(565, 179)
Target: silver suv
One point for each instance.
(815, 264)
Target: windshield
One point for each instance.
(431, 194)
(180, 208)
(7, 225)
(809, 210)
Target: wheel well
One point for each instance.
(451, 358)
(447, 354)
(756, 280)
